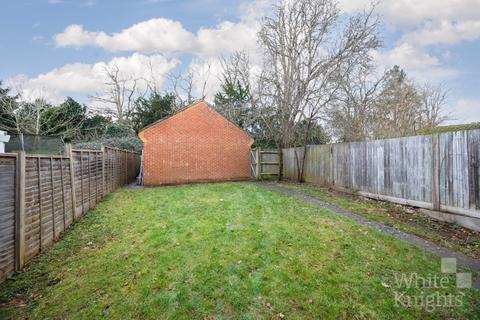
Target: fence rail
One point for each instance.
(41, 196)
(439, 172)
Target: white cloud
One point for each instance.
(226, 38)
(87, 79)
(155, 35)
(168, 36)
(444, 32)
(159, 37)
(206, 76)
(424, 24)
(408, 13)
(466, 111)
(416, 63)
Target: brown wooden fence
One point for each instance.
(439, 172)
(41, 196)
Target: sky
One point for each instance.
(58, 48)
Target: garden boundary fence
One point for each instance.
(42, 195)
(439, 172)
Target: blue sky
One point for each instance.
(55, 48)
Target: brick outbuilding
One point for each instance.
(197, 144)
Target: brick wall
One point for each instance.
(194, 145)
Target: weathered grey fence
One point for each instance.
(38, 202)
(438, 172)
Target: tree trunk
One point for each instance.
(280, 161)
(280, 165)
(304, 156)
(297, 161)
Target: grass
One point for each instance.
(223, 251)
(402, 218)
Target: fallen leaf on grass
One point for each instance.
(19, 303)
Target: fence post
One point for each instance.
(20, 211)
(72, 181)
(259, 165)
(435, 172)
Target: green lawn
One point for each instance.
(405, 219)
(223, 251)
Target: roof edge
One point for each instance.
(141, 133)
(168, 117)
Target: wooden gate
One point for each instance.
(264, 163)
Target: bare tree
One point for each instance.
(235, 99)
(306, 58)
(185, 86)
(404, 107)
(350, 116)
(390, 106)
(119, 93)
(434, 99)
(398, 107)
(181, 84)
(37, 118)
(10, 118)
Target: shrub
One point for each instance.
(127, 143)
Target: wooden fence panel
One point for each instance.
(432, 171)
(269, 160)
(67, 192)
(37, 210)
(78, 181)
(459, 174)
(7, 215)
(86, 181)
(57, 194)
(473, 168)
(46, 203)
(289, 165)
(320, 170)
(32, 208)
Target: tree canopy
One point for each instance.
(151, 109)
